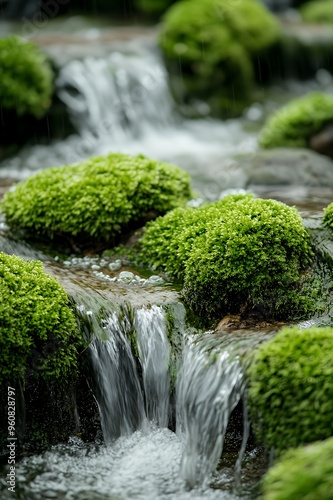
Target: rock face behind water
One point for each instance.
(290, 167)
(323, 141)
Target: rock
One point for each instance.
(289, 167)
(323, 141)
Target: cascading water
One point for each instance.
(154, 355)
(116, 96)
(209, 387)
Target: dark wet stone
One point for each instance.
(323, 141)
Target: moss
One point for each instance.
(96, 199)
(239, 252)
(302, 474)
(291, 389)
(26, 77)
(215, 42)
(328, 216)
(38, 331)
(318, 11)
(294, 124)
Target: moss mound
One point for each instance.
(318, 11)
(214, 42)
(96, 199)
(239, 252)
(38, 331)
(294, 124)
(302, 474)
(291, 388)
(328, 215)
(26, 78)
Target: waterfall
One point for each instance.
(210, 384)
(118, 97)
(154, 354)
(118, 391)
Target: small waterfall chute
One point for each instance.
(210, 385)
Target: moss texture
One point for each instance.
(26, 77)
(328, 215)
(294, 124)
(291, 388)
(239, 252)
(96, 199)
(38, 331)
(214, 42)
(302, 474)
(318, 12)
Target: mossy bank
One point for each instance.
(94, 201)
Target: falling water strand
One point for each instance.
(246, 433)
(154, 354)
(117, 97)
(118, 390)
(209, 388)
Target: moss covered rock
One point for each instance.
(214, 42)
(96, 199)
(38, 331)
(291, 388)
(239, 252)
(294, 124)
(302, 474)
(328, 216)
(318, 11)
(26, 77)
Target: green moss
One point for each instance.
(318, 11)
(302, 474)
(215, 42)
(38, 331)
(239, 252)
(26, 77)
(294, 124)
(291, 389)
(328, 215)
(96, 199)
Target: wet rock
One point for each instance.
(288, 167)
(323, 141)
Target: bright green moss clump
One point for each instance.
(96, 199)
(302, 474)
(215, 42)
(38, 331)
(318, 11)
(26, 77)
(328, 215)
(291, 388)
(239, 252)
(293, 125)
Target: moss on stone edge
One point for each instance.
(304, 474)
(294, 124)
(38, 331)
(215, 42)
(318, 11)
(239, 252)
(328, 215)
(291, 388)
(97, 198)
(26, 83)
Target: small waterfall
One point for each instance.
(154, 354)
(118, 97)
(117, 389)
(209, 387)
(120, 398)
